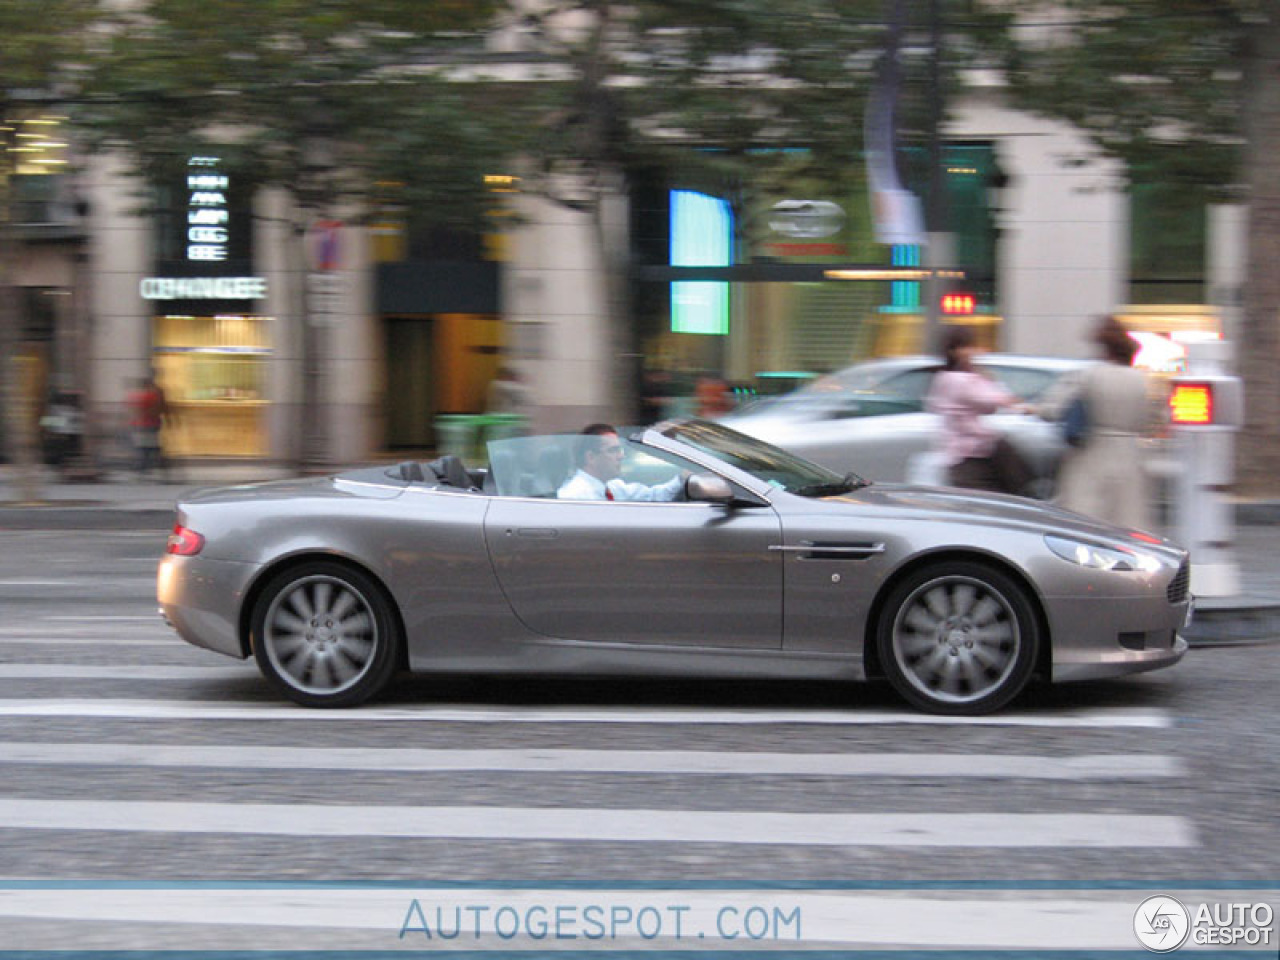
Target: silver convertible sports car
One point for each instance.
(720, 556)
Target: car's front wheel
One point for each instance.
(324, 634)
(959, 638)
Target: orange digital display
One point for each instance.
(958, 303)
(1191, 403)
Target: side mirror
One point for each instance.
(708, 488)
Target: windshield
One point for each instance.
(776, 467)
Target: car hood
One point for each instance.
(777, 414)
(982, 508)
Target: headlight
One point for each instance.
(1102, 558)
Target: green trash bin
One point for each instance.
(503, 426)
(456, 434)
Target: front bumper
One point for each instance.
(1095, 638)
(201, 599)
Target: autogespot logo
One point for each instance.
(1161, 924)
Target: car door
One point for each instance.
(691, 574)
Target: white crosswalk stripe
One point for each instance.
(120, 773)
(141, 671)
(216, 710)
(914, 765)
(624, 826)
(87, 639)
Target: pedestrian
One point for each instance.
(1105, 475)
(507, 393)
(713, 396)
(974, 454)
(655, 395)
(148, 413)
(63, 426)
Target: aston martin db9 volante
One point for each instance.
(745, 561)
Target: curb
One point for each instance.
(82, 516)
(1249, 622)
(1257, 513)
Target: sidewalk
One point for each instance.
(122, 500)
(127, 503)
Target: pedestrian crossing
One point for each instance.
(164, 778)
(156, 709)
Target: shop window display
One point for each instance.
(213, 371)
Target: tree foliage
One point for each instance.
(325, 99)
(1158, 84)
(35, 67)
(696, 84)
(1188, 91)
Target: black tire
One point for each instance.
(325, 635)
(958, 638)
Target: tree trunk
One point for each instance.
(1259, 349)
(623, 360)
(19, 420)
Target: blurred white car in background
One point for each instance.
(870, 418)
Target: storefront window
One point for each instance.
(213, 371)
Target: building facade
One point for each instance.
(248, 323)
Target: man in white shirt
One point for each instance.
(600, 454)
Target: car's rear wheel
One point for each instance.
(325, 635)
(958, 637)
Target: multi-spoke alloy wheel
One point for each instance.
(324, 634)
(958, 638)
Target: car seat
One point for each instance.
(452, 472)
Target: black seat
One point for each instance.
(411, 470)
(452, 472)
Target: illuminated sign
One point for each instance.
(204, 288)
(701, 236)
(958, 304)
(207, 210)
(806, 219)
(1191, 404)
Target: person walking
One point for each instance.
(1105, 476)
(507, 393)
(974, 454)
(148, 412)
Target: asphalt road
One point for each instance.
(126, 755)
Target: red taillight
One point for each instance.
(184, 542)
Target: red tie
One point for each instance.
(608, 494)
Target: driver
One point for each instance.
(599, 465)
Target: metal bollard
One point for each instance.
(1206, 406)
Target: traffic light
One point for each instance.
(958, 304)
(1191, 404)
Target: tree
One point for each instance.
(1189, 90)
(705, 86)
(34, 73)
(327, 101)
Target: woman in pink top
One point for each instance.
(975, 455)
